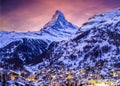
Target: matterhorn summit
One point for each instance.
(58, 18)
(59, 26)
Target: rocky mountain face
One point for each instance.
(24, 48)
(96, 46)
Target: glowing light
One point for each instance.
(31, 79)
(82, 71)
(102, 84)
(53, 76)
(67, 72)
(70, 77)
(13, 77)
(92, 81)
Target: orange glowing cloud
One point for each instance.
(31, 15)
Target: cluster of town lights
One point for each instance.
(70, 77)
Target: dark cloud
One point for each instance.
(111, 3)
(12, 5)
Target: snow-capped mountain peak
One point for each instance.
(59, 27)
(58, 16)
(98, 20)
(58, 20)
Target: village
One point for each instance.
(55, 77)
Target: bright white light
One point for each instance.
(102, 84)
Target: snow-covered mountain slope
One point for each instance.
(95, 21)
(96, 46)
(33, 44)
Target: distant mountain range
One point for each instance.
(95, 45)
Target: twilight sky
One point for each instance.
(31, 15)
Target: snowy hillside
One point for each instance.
(96, 46)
